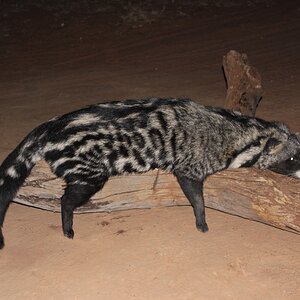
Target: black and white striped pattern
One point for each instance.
(88, 146)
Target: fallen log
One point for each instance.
(253, 194)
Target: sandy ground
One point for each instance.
(53, 64)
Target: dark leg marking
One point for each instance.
(74, 196)
(193, 190)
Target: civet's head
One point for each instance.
(281, 154)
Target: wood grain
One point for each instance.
(253, 194)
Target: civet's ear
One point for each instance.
(273, 146)
(294, 136)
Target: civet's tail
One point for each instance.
(14, 170)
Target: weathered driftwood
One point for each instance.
(244, 88)
(253, 194)
(257, 195)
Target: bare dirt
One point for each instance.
(54, 63)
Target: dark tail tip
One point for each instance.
(1, 239)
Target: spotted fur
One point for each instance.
(88, 146)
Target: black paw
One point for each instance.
(202, 227)
(69, 233)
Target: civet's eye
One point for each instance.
(292, 158)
